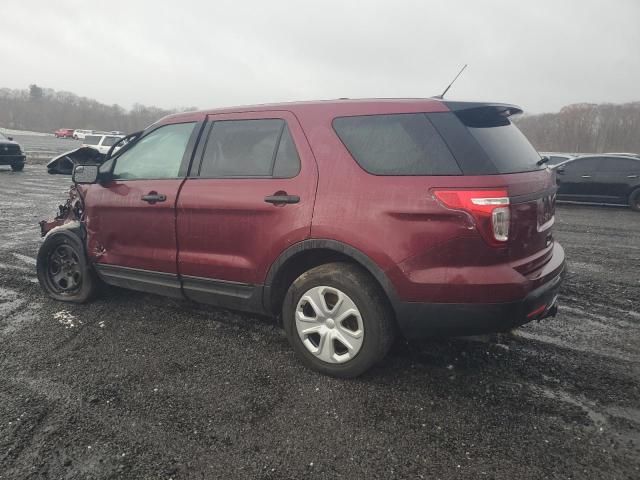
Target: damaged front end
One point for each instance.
(70, 212)
(63, 164)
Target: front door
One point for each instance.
(131, 219)
(576, 179)
(249, 197)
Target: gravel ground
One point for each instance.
(139, 386)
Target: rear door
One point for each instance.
(131, 220)
(250, 196)
(615, 178)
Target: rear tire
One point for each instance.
(337, 319)
(634, 200)
(18, 167)
(63, 270)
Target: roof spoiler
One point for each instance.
(502, 109)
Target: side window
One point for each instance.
(250, 148)
(157, 155)
(615, 165)
(582, 166)
(402, 144)
(287, 159)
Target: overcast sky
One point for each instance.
(540, 54)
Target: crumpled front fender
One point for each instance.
(69, 214)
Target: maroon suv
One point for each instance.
(350, 219)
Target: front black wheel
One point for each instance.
(634, 200)
(337, 320)
(63, 271)
(17, 167)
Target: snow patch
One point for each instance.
(24, 258)
(67, 319)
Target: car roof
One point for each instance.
(598, 155)
(345, 105)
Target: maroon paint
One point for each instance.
(226, 231)
(225, 228)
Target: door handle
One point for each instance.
(153, 197)
(585, 176)
(281, 198)
(632, 176)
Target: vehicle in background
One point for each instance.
(605, 179)
(102, 143)
(11, 154)
(80, 134)
(64, 133)
(348, 219)
(116, 132)
(556, 157)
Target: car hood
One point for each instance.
(63, 164)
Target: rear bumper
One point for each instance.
(12, 159)
(419, 320)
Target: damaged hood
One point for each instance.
(63, 164)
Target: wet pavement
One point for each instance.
(139, 386)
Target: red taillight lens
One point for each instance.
(489, 209)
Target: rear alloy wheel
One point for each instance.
(634, 200)
(337, 320)
(63, 271)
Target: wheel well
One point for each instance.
(302, 262)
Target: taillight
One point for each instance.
(489, 209)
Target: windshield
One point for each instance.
(92, 140)
(108, 141)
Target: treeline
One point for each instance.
(45, 110)
(585, 127)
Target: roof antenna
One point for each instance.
(452, 82)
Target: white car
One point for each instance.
(102, 143)
(81, 134)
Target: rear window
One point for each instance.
(92, 140)
(505, 145)
(399, 144)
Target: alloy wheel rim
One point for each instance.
(64, 271)
(329, 324)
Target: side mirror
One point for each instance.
(560, 170)
(85, 174)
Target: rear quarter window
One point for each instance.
(398, 144)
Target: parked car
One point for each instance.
(102, 143)
(555, 158)
(64, 133)
(11, 153)
(603, 179)
(81, 134)
(350, 220)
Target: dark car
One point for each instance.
(350, 220)
(557, 158)
(602, 179)
(11, 154)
